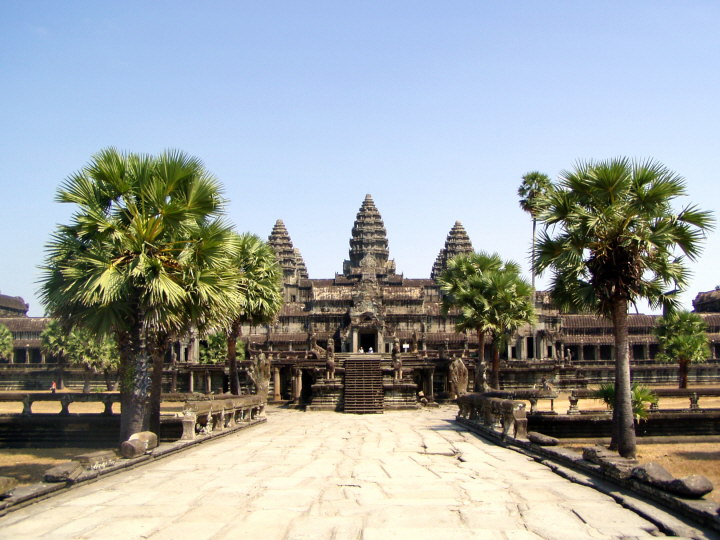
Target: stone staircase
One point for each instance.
(363, 384)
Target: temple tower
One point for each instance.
(457, 242)
(369, 252)
(302, 272)
(290, 260)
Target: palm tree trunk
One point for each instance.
(683, 373)
(158, 357)
(60, 376)
(109, 383)
(532, 255)
(480, 384)
(623, 418)
(86, 381)
(496, 364)
(135, 383)
(232, 358)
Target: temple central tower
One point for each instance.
(369, 254)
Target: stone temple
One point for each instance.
(371, 309)
(371, 332)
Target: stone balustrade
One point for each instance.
(219, 413)
(692, 394)
(64, 398)
(494, 413)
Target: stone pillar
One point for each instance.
(522, 348)
(276, 384)
(540, 346)
(191, 382)
(354, 340)
(646, 351)
(612, 352)
(431, 381)
(298, 384)
(27, 354)
(208, 382)
(597, 352)
(581, 351)
(380, 342)
(42, 357)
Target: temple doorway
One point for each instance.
(367, 341)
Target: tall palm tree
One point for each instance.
(512, 307)
(260, 292)
(532, 193)
(612, 237)
(55, 342)
(683, 340)
(491, 298)
(6, 343)
(122, 265)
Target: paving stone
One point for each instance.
(327, 475)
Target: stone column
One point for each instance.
(646, 351)
(354, 340)
(298, 384)
(522, 348)
(431, 382)
(540, 346)
(276, 384)
(597, 352)
(27, 354)
(581, 351)
(191, 382)
(42, 357)
(208, 382)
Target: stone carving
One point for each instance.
(493, 412)
(259, 373)
(481, 379)
(396, 360)
(458, 375)
(330, 362)
(313, 347)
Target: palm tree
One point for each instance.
(260, 292)
(92, 354)
(612, 237)
(6, 343)
(491, 298)
(532, 193)
(641, 397)
(55, 342)
(683, 340)
(125, 263)
(512, 307)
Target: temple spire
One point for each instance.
(288, 257)
(457, 242)
(368, 245)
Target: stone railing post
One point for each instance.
(27, 405)
(65, 402)
(573, 403)
(694, 401)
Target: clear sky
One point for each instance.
(301, 108)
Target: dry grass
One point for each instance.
(28, 465)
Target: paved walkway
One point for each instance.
(403, 475)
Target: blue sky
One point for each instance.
(301, 108)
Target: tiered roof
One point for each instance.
(300, 264)
(369, 244)
(288, 257)
(457, 242)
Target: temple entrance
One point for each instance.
(368, 340)
(307, 382)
